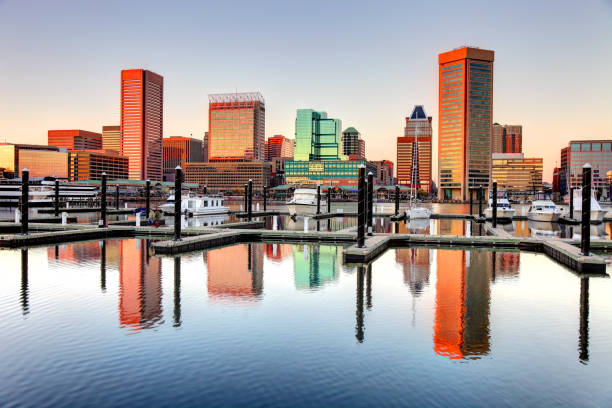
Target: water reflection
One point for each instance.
(25, 291)
(583, 339)
(177, 291)
(415, 265)
(314, 265)
(235, 272)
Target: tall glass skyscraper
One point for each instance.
(465, 112)
(317, 137)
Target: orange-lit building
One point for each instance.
(89, 165)
(74, 139)
(414, 151)
(178, 150)
(461, 327)
(228, 176)
(41, 161)
(142, 122)
(140, 289)
(465, 107)
(279, 147)
(237, 127)
(111, 138)
(235, 271)
(384, 172)
(506, 138)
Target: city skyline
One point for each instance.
(371, 87)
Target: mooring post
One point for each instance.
(56, 201)
(397, 199)
(480, 194)
(470, 189)
(117, 197)
(265, 198)
(494, 205)
(25, 194)
(571, 200)
(102, 223)
(178, 196)
(205, 190)
(250, 210)
(585, 244)
(361, 210)
(246, 197)
(328, 200)
(370, 201)
(148, 198)
(318, 199)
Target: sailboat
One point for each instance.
(415, 212)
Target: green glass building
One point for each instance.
(317, 137)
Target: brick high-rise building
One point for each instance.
(414, 159)
(279, 147)
(464, 130)
(178, 150)
(236, 127)
(74, 139)
(111, 138)
(506, 138)
(142, 122)
(89, 165)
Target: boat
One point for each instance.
(42, 192)
(597, 213)
(504, 211)
(416, 212)
(543, 209)
(304, 201)
(193, 205)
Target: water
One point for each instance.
(108, 324)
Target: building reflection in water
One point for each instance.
(235, 271)
(140, 291)
(415, 265)
(314, 265)
(278, 252)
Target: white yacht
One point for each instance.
(597, 213)
(196, 205)
(304, 202)
(416, 213)
(543, 209)
(504, 211)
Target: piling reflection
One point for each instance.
(25, 291)
(235, 272)
(102, 267)
(359, 329)
(177, 292)
(583, 339)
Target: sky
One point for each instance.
(366, 63)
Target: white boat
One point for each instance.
(416, 213)
(196, 205)
(597, 213)
(304, 202)
(504, 211)
(543, 210)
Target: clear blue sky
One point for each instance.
(366, 63)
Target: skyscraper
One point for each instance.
(414, 159)
(507, 138)
(465, 110)
(75, 139)
(317, 137)
(352, 144)
(279, 147)
(178, 150)
(142, 122)
(111, 138)
(237, 127)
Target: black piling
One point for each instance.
(494, 205)
(571, 200)
(318, 199)
(25, 205)
(328, 200)
(56, 201)
(117, 197)
(250, 210)
(148, 198)
(178, 196)
(102, 223)
(480, 194)
(361, 210)
(246, 197)
(370, 202)
(397, 200)
(205, 191)
(471, 191)
(585, 241)
(265, 198)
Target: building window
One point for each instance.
(586, 147)
(596, 147)
(575, 147)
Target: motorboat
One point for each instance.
(504, 211)
(416, 213)
(192, 205)
(304, 202)
(597, 213)
(543, 209)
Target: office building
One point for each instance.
(89, 165)
(506, 138)
(41, 161)
(236, 127)
(74, 139)
(205, 147)
(352, 144)
(332, 172)
(517, 174)
(464, 129)
(229, 176)
(317, 137)
(414, 152)
(178, 150)
(384, 172)
(142, 122)
(598, 153)
(111, 138)
(278, 147)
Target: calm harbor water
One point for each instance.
(108, 324)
